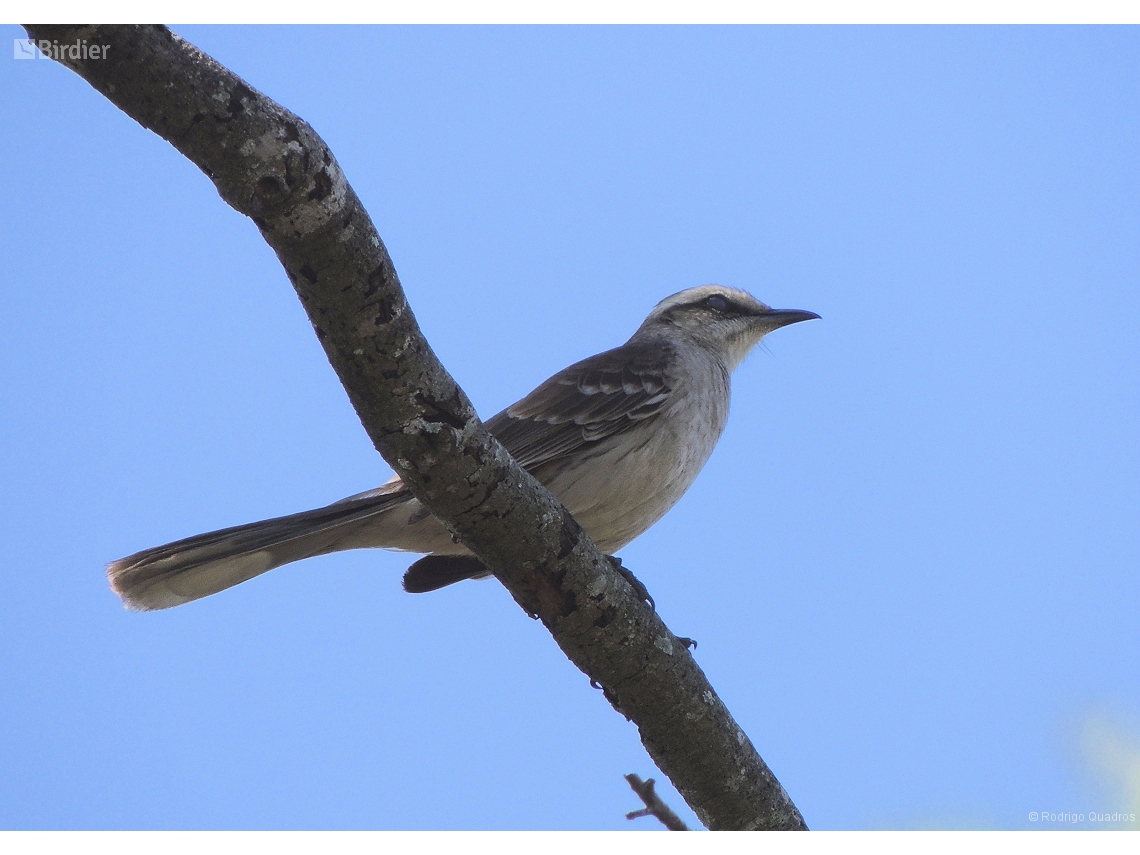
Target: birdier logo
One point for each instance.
(24, 49)
(51, 49)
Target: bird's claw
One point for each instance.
(635, 583)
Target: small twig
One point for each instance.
(653, 805)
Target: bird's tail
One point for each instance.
(198, 566)
(433, 572)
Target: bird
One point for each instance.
(618, 438)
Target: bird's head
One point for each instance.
(727, 321)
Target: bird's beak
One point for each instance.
(773, 319)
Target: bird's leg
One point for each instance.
(634, 582)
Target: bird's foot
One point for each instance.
(635, 583)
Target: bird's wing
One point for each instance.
(592, 400)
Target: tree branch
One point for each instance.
(654, 806)
(270, 165)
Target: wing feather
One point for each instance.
(590, 401)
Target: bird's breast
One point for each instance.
(624, 484)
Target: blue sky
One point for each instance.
(911, 563)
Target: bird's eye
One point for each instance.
(716, 302)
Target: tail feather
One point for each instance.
(433, 572)
(198, 566)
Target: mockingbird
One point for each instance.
(618, 438)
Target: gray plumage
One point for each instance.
(618, 438)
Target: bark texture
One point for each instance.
(270, 165)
